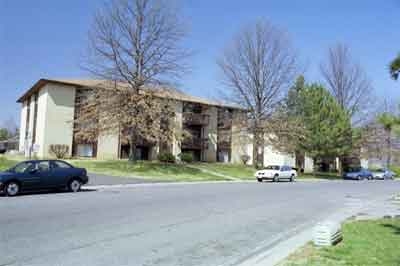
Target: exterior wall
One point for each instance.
(107, 147)
(308, 165)
(176, 143)
(211, 133)
(272, 157)
(22, 127)
(41, 122)
(59, 115)
(30, 126)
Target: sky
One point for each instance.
(47, 39)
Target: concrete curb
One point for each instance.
(163, 184)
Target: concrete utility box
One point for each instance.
(327, 234)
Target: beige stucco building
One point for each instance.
(48, 111)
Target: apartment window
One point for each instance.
(84, 150)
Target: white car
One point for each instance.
(276, 173)
(383, 174)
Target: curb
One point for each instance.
(163, 184)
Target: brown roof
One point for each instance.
(165, 92)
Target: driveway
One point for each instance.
(183, 224)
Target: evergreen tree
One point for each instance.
(395, 68)
(327, 125)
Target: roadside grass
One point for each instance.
(166, 172)
(365, 243)
(239, 171)
(320, 175)
(145, 169)
(6, 163)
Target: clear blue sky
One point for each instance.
(45, 38)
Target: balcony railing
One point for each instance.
(195, 119)
(195, 143)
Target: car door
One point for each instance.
(43, 172)
(60, 173)
(285, 172)
(27, 175)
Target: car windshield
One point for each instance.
(272, 167)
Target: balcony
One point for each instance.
(195, 143)
(224, 145)
(225, 125)
(195, 119)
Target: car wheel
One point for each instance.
(371, 177)
(74, 185)
(359, 177)
(259, 179)
(292, 178)
(276, 178)
(12, 189)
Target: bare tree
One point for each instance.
(135, 44)
(258, 68)
(347, 82)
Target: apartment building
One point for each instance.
(50, 106)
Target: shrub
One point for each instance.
(166, 157)
(186, 157)
(59, 150)
(245, 158)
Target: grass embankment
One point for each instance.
(365, 243)
(319, 175)
(151, 170)
(167, 172)
(239, 171)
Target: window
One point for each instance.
(272, 167)
(43, 166)
(84, 150)
(59, 164)
(23, 167)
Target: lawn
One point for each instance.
(165, 172)
(6, 163)
(239, 171)
(365, 243)
(151, 170)
(320, 175)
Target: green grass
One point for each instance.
(365, 243)
(6, 163)
(320, 175)
(167, 172)
(239, 171)
(151, 170)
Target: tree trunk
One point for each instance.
(341, 165)
(389, 147)
(315, 166)
(132, 148)
(258, 148)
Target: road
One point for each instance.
(195, 224)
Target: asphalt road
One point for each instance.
(196, 224)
